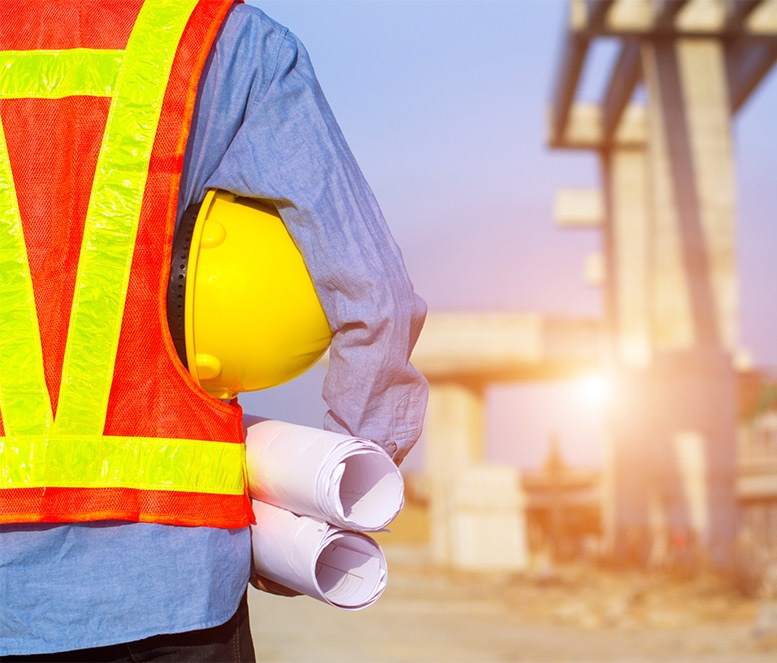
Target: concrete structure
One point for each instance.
(476, 509)
(668, 229)
(487, 520)
(666, 214)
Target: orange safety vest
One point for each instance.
(98, 417)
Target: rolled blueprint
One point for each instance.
(348, 482)
(343, 568)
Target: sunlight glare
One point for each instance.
(596, 390)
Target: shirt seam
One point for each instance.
(256, 14)
(252, 103)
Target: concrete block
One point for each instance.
(579, 208)
(488, 524)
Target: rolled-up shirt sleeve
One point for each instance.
(289, 148)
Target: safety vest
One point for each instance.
(98, 417)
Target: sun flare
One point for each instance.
(596, 390)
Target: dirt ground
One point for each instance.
(580, 614)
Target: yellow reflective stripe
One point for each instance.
(57, 74)
(77, 461)
(24, 400)
(113, 216)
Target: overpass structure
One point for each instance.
(666, 210)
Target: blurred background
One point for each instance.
(583, 193)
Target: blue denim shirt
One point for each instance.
(262, 128)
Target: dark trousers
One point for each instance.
(229, 643)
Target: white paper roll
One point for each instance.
(342, 568)
(348, 482)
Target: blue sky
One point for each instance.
(444, 104)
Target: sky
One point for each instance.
(444, 104)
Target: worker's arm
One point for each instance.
(287, 147)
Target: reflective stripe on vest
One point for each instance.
(70, 451)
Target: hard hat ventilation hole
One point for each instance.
(176, 290)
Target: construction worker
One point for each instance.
(123, 511)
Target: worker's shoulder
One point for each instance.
(248, 27)
(244, 16)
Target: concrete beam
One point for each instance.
(761, 19)
(585, 129)
(747, 64)
(699, 15)
(579, 208)
(763, 32)
(624, 78)
(666, 14)
(597, 12)
(632, 131)
(749, 25)
(738, 11)
(577, 126)
(569, 69)
(681, 18)
(567, 79)
(627, 71)
(629, 16)
(476, 348)
(585, 16)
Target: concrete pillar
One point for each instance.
(693, 291)
(694, 294)
(627, 255)
(476, 509)
(454, 439)
(627, 243)
(629, 465)
(695, 447)
(672, 309)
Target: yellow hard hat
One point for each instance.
(243, 311)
